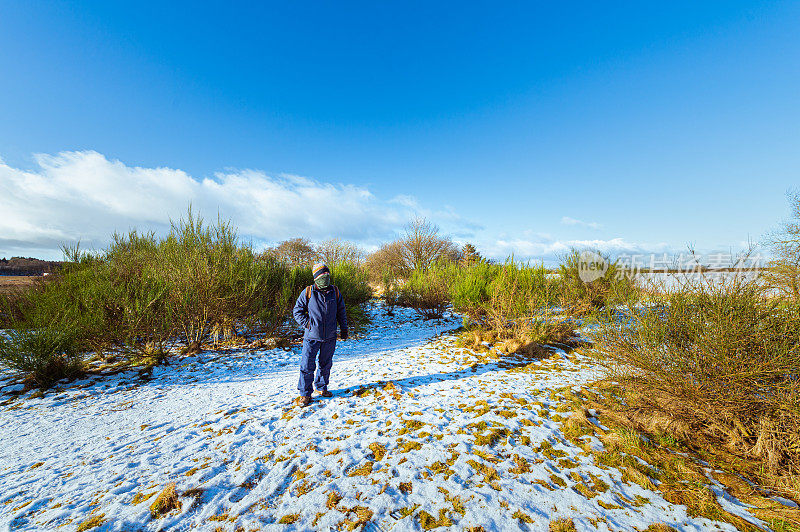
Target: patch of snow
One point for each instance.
(13, 388)
(731, 504)
(783, 501)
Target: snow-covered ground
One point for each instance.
(662, 281)
(457, 439)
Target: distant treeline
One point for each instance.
(27, 266)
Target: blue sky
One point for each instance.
(523, 127)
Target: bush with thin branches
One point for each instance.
(334, 251)
(722, 358)
(143, 296)
(783, 271)
(420, 246)
(295, 252)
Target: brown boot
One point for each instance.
(304, 400)
(325, 393)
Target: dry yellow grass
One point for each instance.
(679, 478)
(562, 525)
(93, 522)
(288, 519)
(362, 470)
(11, 284)
(428, 522)
(166, 501)
(358, 517)
(521, 465)
(378, 450)
(333, 499)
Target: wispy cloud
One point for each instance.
(566, 220)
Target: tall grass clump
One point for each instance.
(720, 359)
(46, 355)
(511, 304)
(352, 280)
(579, 297)
(519, 312)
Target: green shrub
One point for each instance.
(512, 301)
(427, 291)
(144, 294)
(470, 287)
(352, 281)
(500, 293)
(579, 297)
(520, 309)
(520, 292)
(481, 290)
(45, 354)
(720, 357)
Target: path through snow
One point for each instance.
(457, 439)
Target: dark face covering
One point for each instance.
(323, 281)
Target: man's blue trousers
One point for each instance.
(308, 365)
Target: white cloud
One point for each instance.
(406, 200)
(85, 196)
(566, 220)
(463, 229)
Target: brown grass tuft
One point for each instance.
(378, 451)
(362, 470)
(333, 499)
(289, 519)
(428, 522)
(562, 525)
(166, 501)
(93, 522)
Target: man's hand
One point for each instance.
(343, 335)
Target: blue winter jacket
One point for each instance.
(319, 313)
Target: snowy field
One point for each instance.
(674, 281)
(458, 439)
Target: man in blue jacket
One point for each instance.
(318, 309)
